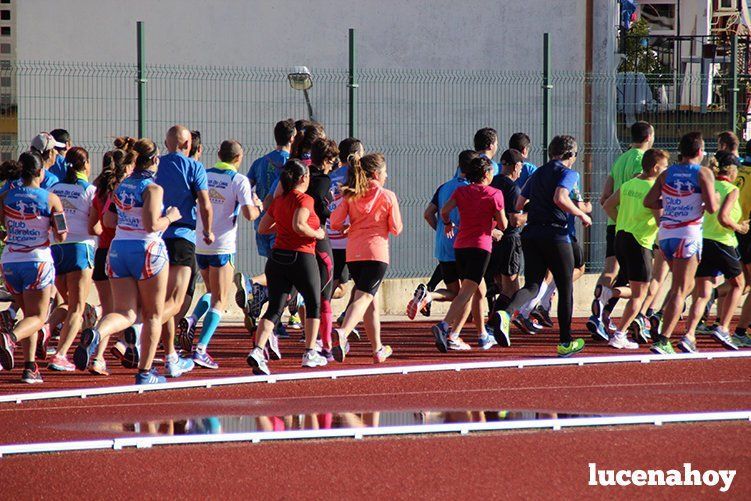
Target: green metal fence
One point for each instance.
(419, 119)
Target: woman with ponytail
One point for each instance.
(292, 263)
(373, 213)
(74, 259)
(28, 212)
(137, 266)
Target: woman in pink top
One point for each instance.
(481, 219)
(373, 214)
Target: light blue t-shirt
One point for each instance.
(59, 168)
(444, 247)
(527, 170)
(48, 182)
(181, 178)
(264, 172)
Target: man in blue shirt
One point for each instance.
(520, 141)
(486, 145)
(546, 241)
(263, 175)
(184, 182)
(62, 136)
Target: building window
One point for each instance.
(4, 1)
(4, 48)
(4, 64)
(5, 31)
(5, 82)
(4, 15)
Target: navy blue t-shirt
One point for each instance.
(544, 218)
(510, 192)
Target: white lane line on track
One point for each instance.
(375, 371)
(554, 424)
(498, 389)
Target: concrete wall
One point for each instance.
(472, 34)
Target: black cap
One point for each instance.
(511, 157)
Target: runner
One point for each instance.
(230, 194)
(636, 231)
(728, 141)
(117, 165)
(685, 191)
(263, 173)
(374, 214)
(74, 259)
(45, 145)
(137, 266)
(520, 142)
(292, 264)
(486, 145)
(546, 242)
(719, 256)
(184, 183)
(444, 245)
(480, 213)
(626, 166)
(28, 212)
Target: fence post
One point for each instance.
(546, 98)
(733, 123)
(352, 85)
(141, 51)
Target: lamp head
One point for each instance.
(300, 78)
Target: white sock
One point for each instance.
(527, 308)
(172, 358)
(547, 297)
(453, 335)
(201, 348)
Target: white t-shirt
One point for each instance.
(228, 191)
(77, 201)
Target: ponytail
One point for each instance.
(114, 168)
(28, 167)
(363, 170)
(292, 172)
(146, 153)
(75, 162)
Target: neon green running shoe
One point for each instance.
(572, 348)
(743, 341)
(663, 348)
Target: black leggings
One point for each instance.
(285, 270)
(435, 279)
(541, 255)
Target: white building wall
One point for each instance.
(446, 34)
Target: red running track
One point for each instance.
(412, 343)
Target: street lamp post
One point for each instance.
(300, 79)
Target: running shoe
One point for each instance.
(180, 367)
(542, 316)
(686, 345)
(382, 354)
(204, 360)
(132, 337)
(621, 341)
(420, 299)
(638, 330)
(662, 347)
(458, 344)
(32, 376)
(501, 325)
(655, 325)
(486, 342)
(611, 328)
(341, 345)
(118, 350)
(596, 327)
(425, 312)
(340, 318)
(98, 368)
(273, 345)
(703, 328)
(312, 358)
(56, 330)
(356, 334)
(572, 348)
(86, 349)
(257, 362)
(43, 340)
(260, 295)
(525, 325)
(60, 363)
(7, 321)
(441, 333)
(294, 322)
(6, 350)
(326, 354)
(281, 331)
(724, 337)
(742, 341)
(150, 377)
(243, 291)
(249, 323)
(186, 331)
(90, 317)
